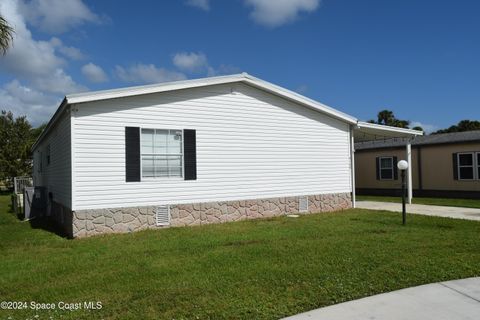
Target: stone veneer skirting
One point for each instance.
(118, 220)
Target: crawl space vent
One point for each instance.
(303, 204)
(163, 215)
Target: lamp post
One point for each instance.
(403, 165)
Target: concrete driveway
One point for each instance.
(451, 300)
(440, 211)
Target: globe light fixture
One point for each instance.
(402, 165)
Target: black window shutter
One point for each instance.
(377, 166)
(190, 154)
(132, 154)
(455, 166)
(395, 168)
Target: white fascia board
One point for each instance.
(383, 128)
(298, 98)
(79, 98)
(51, 123)
(148, 89)
(187, 84)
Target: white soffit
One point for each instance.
(366, 131)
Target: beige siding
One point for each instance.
(437, 168)
(365, 168)
(250, 145)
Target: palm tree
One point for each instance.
(386, 117)
(6, 35)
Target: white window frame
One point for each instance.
(380, 168)
(142, 178)
(477, 164)
(473, 166)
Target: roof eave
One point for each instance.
(50, 123)
(362, 124)
(186, 84)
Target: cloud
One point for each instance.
(278, 12)
(302, 89)
(94, 73)
(428, 128)
(69, 52)
(147, 73)
(39, 66)
(190, 62)
(57, 16)
(35, 61)
(201, 4)
(23, 100)
(58, 82)
(223, 69)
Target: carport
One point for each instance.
(365, 131)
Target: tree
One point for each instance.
(36, 132)
(15, 146)
(6, 35)
(387, 118)
(464, 125)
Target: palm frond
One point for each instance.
(6, 35)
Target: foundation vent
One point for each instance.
(303, 204)
(162, 215)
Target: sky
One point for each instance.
(420, 59)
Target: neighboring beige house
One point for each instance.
(443, 165)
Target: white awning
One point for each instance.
(365, 131)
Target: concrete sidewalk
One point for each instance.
(440, 211)
(458, 299)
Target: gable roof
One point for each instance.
(195, 83)
(245, 78)
(79, 98)
(442, 138)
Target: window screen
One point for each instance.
(465, 166)
(386, 168)
(162, 153)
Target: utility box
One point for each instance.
(39, 202)
(28, 194)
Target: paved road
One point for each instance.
(451, 300)
(440, 211)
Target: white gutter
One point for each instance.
(381, 127)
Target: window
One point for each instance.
(466, 166)
(162, 153)
(386, 168)
(478, 165)
(48, 155)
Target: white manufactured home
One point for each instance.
(192, 152)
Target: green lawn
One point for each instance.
(467, 203)
(263, 269)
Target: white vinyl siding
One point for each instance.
(250, 144)
(52, 161)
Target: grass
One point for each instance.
(263, 269)
(467, 203)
